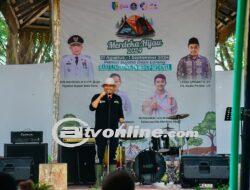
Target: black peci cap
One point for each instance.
(75, 39)
(193, 41)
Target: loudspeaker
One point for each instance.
(38, 152)
(81, 163)
(204, 169)
(19, 168)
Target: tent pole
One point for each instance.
(238, 54)
(56, 68)
(245, 136)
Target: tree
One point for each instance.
(207, 128)
(3, 40)
(22, 46)
(195, 141)
(224, 52)
(192, 141)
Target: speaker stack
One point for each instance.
(195, 170)
(26, 151)
(81, 163)
(20, 169)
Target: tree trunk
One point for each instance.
(56, 70)
(21, 47)
(222, 61)
(212, 143)
(227, 55)
(26, 47)
(39, 57)
(12, 49)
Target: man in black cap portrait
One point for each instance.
(76, 66)
(194, 66)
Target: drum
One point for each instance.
(149, 167)
(160, 144)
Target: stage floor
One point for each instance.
(138, 187)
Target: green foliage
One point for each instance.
(3, 39)
(220, 187)
(197, 188)
(224, 53)
(41, 46)
(195, 141)
(207, 126)
(42, 41)
(48, 54)
(50, 159)
(181, 141)
(223, 187)
(41, 186)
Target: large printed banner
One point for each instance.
(160, 54)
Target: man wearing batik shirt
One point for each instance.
(126, 104)
(194, 65)
(162, 103)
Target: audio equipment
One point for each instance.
(19, 168)
(26, 137)
(204, 169)
(81, 163)
(38, 152)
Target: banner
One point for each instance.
(160, 54)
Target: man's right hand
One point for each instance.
(98, 99)
(102, 94)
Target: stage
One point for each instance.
(138, 187)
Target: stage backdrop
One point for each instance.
(26, 99)
(139, 40)
(224, 83)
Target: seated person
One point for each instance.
(119, 180)
(7, 182)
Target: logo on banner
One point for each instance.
(135, 26)
(134, 5)
(67, 135)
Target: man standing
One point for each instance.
(76, 66)
(108, 113)
(126, 104)
(162, 103)
(194, 65)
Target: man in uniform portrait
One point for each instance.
(76, 66)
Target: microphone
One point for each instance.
(109, 96)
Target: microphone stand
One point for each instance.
(108, 141)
